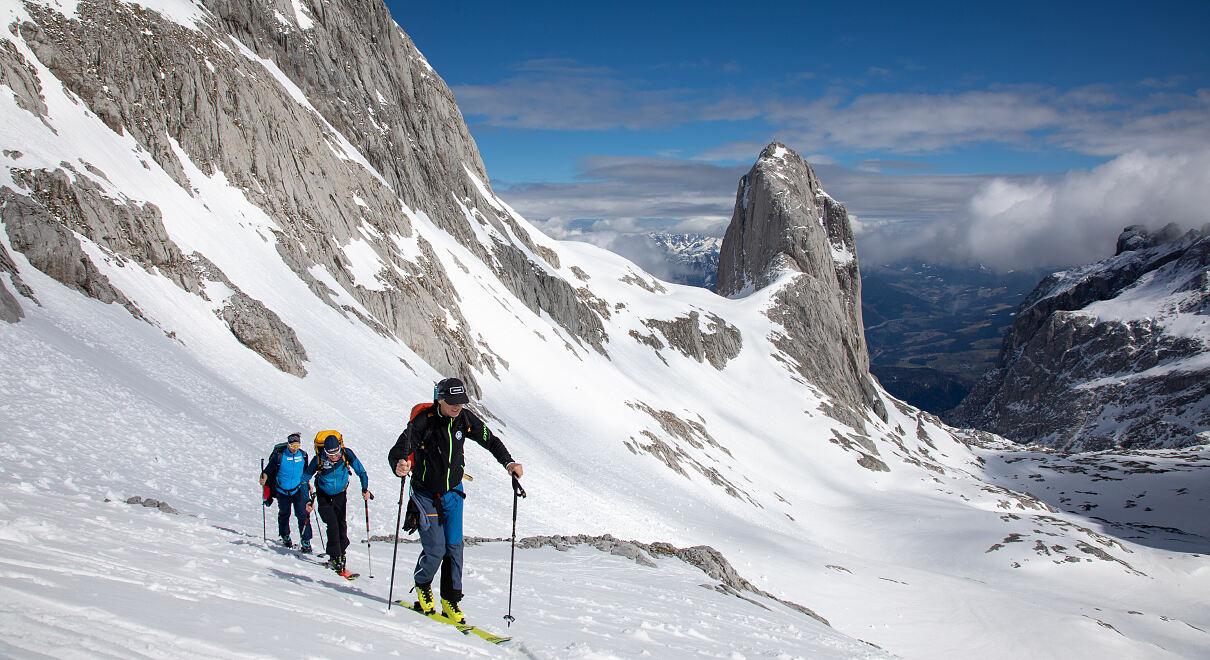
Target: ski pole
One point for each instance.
(315, 528)
(325, 528)
(395, 553)
(518, 491)
(264, 526)
(369, 563)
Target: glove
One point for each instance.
(268, 501)
(411, 522)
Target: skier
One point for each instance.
(331, 470)
(285, 470)
(433, 444)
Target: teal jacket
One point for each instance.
(333, 478)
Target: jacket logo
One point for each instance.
(458, 435)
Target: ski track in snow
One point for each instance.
(178, 586)
(931, 560)
(89, 419)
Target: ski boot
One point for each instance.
(424, 602)
(286, 542)
(452, 612)
(305, 548)
(338, 565)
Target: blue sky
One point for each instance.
(1014, 135)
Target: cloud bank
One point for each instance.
(1154, 142)
(1068, 221)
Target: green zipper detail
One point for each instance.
(449, 467)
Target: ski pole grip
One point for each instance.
(517, 489)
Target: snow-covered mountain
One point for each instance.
(223, 222)
(1114, 354)
(692, 258)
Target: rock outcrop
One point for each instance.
(1116, 354)
(44, 225)
(296, 104)
(785, 229)
(707, 559)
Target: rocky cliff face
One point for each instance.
(786, 230)
(364, 125)
(324, 116)
(1116, 354)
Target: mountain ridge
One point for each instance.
(1113, 354)
(640, 408)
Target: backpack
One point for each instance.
(411, 522)
(319, 447)
(278, 450)
(419, 408)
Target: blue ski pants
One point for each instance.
(298, 502)
(440, 542)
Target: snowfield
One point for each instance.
(910, 538)
(100, 407)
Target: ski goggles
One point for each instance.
(332, 455)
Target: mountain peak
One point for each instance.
(786, 231)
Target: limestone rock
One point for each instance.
(720, 342)
(785, 229)
(1108, 355)
(34, 231)
(378, 128)
(10, 309)
(262, 330)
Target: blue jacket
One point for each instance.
(332, 479)
(285, 471)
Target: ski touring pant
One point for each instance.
(441, 542)
(332, 512)
(298, 502)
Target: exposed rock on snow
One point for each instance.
(1116, 354)
(709, 560)
(676, 440)
(61, 202)
(151, 503)
(34, 231)
(208, 95)
(10, 309)
(262, 330)
(720, 343)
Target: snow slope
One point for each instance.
(888, 534)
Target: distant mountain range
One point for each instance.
(692, 258)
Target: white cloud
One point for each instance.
(1150, 132)
(621, 195)
(1039, 222)
(915, 122)
(559, 94)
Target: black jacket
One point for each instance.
(437, 444)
